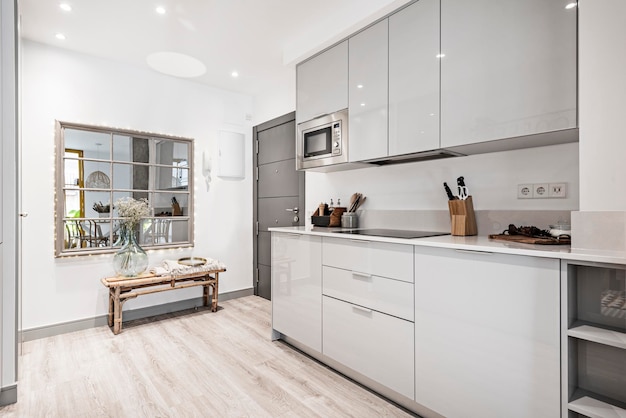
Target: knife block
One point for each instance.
(462, 217)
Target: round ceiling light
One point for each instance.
(178, 65)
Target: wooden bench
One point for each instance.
(123, 288)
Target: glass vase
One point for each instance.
(131, 259)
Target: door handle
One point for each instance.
(294, 210)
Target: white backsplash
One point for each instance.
(411, 195)
(487, 221)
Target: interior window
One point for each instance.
(99, 166)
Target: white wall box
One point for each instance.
(414, 78)
(487, 334)
(297, 288)
(368, 78)
(231, 155)
(322, 83)
(509, 71)
(372, 343)
(594, 339)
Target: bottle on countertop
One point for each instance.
(331, 207)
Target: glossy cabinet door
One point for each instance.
(414, 78)
(370, 257)
(368, 75)
(297, 287)
(372, 343)
(509, 69)
(487, 334)
(322, 83)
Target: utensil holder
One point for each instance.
(350, 220)
(462, 217)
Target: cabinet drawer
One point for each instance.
(376, 258)
(393, 297)
(376, 345)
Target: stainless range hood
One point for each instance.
(421, 156)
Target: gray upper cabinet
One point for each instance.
(368, 75)
(322, 83)
(414, 78)
(509, 69)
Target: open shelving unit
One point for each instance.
(593, 342)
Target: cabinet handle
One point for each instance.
(358, 275)
(360, 241)
(363, 310)
(291, 234)
(474, 252)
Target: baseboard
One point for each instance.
(8, 395)
(98, 321)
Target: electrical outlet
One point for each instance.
(541, 190)
(557, 190)
(524, 191)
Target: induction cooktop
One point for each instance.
(392, 233)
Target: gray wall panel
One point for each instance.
(278, 179)
(281, 143)
(265, 248)
(272, 212)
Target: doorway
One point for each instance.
(278, 192)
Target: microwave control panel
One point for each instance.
(337, 138)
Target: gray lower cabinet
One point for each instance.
(368, 310)
(446, 332)
(487, 334)
(594, 339)
(377, 345)
(297, 288)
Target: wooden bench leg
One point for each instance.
(111, 297)
(215, 293)
(205, 295)
(117, 312)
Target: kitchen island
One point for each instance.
(442, 325)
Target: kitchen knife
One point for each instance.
(449, 192)
(463, 192)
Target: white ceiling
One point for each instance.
(260, 39)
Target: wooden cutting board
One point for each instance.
(531, 240)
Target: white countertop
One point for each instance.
(474, 243)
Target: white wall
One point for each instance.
(8, 204)
(602, 104)
(492, 180)
(78, 88)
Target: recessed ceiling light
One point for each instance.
(234, 74)
(160, 10)
(362, 104)
(66, 7)
(571, 5)
(359, 86)
(440, 55)
(60, 36)
(173, 63)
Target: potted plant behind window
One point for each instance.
(131, 259)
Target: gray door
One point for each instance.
(278, 191)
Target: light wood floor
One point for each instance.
(200, 364)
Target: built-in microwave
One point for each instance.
(322, 141)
